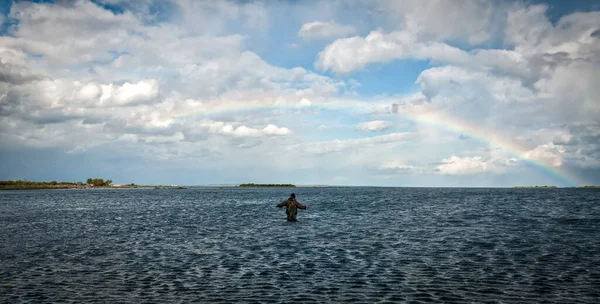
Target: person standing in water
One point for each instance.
(292, 206)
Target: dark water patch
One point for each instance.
(353, 245)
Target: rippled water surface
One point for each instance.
(351, 245)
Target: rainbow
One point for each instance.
(435, 120)
(483, 136)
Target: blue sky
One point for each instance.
(383, 93)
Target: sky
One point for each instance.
(361, 93)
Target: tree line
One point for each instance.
(30, 183)
(98, 182)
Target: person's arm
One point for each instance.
(301, 206)
(282, 204)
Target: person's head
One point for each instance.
(293, 195)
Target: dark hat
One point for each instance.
(293, 195)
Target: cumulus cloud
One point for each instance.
(355, 53)
(248, 72)
(90, 33)
(373, 126)
(215, 17)
(547, 154)
(466, 165)
(530, 31)
(66, 98)
(470, 21)
(571, 92)
(549, 64)
(272, 129)
(85, 30)
(565, 140)
(191, 73)
(323, 30)
(127, 93)
(244, 131)
(14, 67)
(562, 57)
(348, 54)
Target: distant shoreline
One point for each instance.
(86, 187)
(29, 185)
(537, 187)
(92, 183)
(252, 185)
(555, 187)
(58, 187)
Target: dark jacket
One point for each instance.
(292, 206)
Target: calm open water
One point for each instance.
(352, 245)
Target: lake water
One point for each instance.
(414, 245)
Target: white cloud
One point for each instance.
(456, 82)
(220, 127)
(548, 154)
(530, 31)
(400, 167)
(89, 33)
(244, 72)
(198, 72)
(323, 30)
(360, 143)
(565, 97)
(565, 139)
(272, 129)
(527, 25)
(305, 102)
(348, 54)
(14, 67)
(470, 21)
(373, 126)
(424, 31)
(571, 92)
(466, 165)
(215, 17)
(558, 60)
(70, 95)
(127, 93)
(86, 31)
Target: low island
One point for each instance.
(537, 187)
(251, 185)
(586, 187)
(90, 183)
